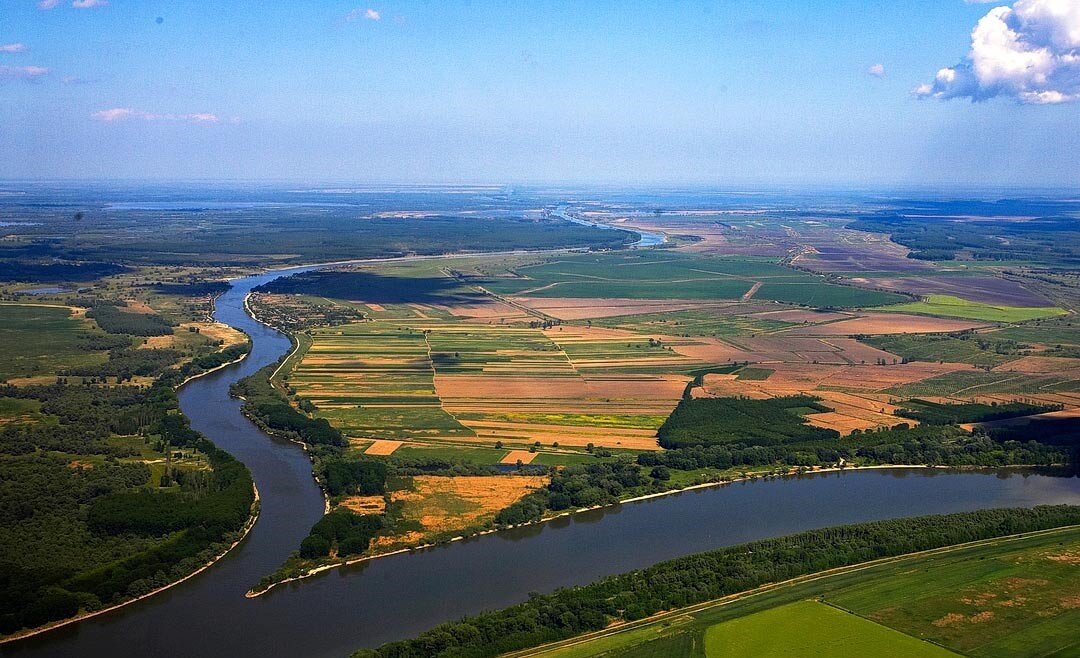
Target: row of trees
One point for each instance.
(937, 413)
(706, 576)
(269, 409)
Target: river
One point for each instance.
(398, 596)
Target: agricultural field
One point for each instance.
(976, 349)
(673, 276)
(810, 627)
(444, 383)
(1014, 598)
(956, 307)
(425, 508)
(42, 340)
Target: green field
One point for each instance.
(916, 347)
(978, 382)
(956, 307)
(42, 340)
(922, 605)
(812, 628)
(666, 275)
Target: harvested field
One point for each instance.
(364, 504)
(488, 309)
(515, 456)
(983, 289)
(609, 389)
(380, 447)
(1041, 364)
(867, 253)
(582, 309)
(854, 393)
(444, 504)
(800, 316)
(886, 323)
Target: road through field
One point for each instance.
(398, 596)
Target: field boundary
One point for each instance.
(764, 589)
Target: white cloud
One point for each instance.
(876, 70)
(124, 113)
(1029, 52)
(48, 4)
(22, 72)
(115, 114)
(88, 4)
(366, 14)
(13, 48)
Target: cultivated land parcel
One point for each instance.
(447, 393)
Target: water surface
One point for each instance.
(398, 596)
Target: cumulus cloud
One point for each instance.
(48, 4)
(876, 70)
(13, 48)
(1029, 52)
(22, 72)
(366, 14)
(88, 4)
(124, 113)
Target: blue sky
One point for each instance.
(721, 93)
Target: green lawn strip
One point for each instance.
(809, 628)
(956, 307)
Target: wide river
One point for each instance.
(398, 596)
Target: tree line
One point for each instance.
(705, 576)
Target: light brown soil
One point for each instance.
(514, 456)
(365, 504)
(482, 496)
(382, 447)
(582, 309)
(1041, 364)
(886, 323)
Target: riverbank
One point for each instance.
(791, 473)
(796, 586)
(87, 615)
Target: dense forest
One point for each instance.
(33, 271)
(199, 289)
(115, 321)
(103, 529)
(301, 235)
(710, 421)
(938, 413)
(1052, 240)
(706, 576)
